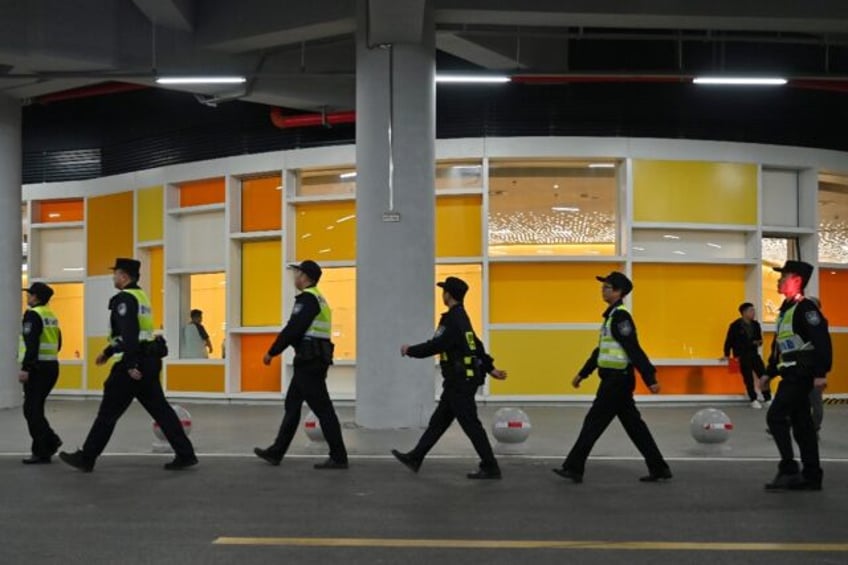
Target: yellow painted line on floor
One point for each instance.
(532, 544)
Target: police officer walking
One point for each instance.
(802, 355)
(464, 364)
(615, 358)
(38, 354)
(134, 375)
(308, 332)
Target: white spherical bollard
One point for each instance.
(160, 444)
(312, 427)
(511, 425)
(710, 426)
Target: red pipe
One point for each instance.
(308, 120)
(829, 85)
(101, 89)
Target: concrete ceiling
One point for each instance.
(301, 54)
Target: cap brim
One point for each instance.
(601, 279)
(777, 269)
(294, 267)
(440, 284)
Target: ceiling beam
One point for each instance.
(173, 14)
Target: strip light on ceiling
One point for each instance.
(201, 80)
(472, 79)
(740, 81)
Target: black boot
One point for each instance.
(77, 460)
(786, 481)
(486, 472)
(268, 455)
(180, 463)
(569, 474)
(657, 476)
(330, 464)
(411, 463)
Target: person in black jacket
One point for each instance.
(464, 364)
(41, 341)
(308, 331)
(744, 338)
(134, 375)
(802, 354)
(617, 354)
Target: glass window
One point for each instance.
(459, 175)
(339, 287)
(833, 219)
(776, 251)
(207, 293)
(324, 182)
(676, 244)
(553, 208)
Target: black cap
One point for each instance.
(40, 291)
(618, 281)
(800, 268)
(129, 266)
(455, 286)
(309, 268)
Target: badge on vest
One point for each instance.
(813, 318)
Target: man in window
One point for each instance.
(196, 342)
(744, 338)
(38, 354)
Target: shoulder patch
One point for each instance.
(439, 331)
(27, 328)
(625, 328)
(813, 317)
(122, 309)
(297, 308)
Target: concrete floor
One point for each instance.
(131, 511)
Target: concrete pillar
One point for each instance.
(10, 249)
(395, 259)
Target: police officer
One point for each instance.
(615, 358)
(40, 343)
(308, 332)
(464, 363)
(802, 355)
(744, 338)
(134, 375)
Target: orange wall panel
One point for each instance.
(256, 377)
(109, 231)
(719, 380)
(196, 378)
(261, 204)
(201, 192)
(833, 288)
(53, 211)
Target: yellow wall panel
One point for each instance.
(156, 285)
(261, 281)
(694, 191)
(67, 303)
(471, 274)
(546, 292)
(459, 226)
(95, 376)
(109, 223)
(150, 213)
(339, 287)
(326, 231)
(195, 378)
(70, 376)
(541, 362)
(682, 311)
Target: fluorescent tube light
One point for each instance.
(741, 81)
(471, 79)
(201, 80)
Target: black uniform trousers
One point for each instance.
(309, 384)
(118, 393)
(751, 366)
(789, 414)
(457, 401)
(615, 399)
(41, 381)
